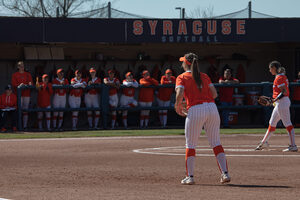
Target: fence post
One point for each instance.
(19, 92)
(105, 104)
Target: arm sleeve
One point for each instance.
(179, 82)
(154, 82)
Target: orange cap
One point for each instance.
(45, 76)
(145, 72)
(168, 71)
(59, 70)
(77, 71)
(183, 59)
(128, 74)
(92, 70)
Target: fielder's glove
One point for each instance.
(265, 101)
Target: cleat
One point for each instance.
(74, 129)
(291, 149)
(225, 178)
(262, 146)
(96, 128)
(189, 180)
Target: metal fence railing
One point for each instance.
(265, 89)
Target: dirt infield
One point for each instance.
(129, 168)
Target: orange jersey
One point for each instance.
(192, 94)
(96, 80)
(78, 91)
(44, 95)
(57, 81)
(147, 94)
(112, 90)
(129, 90)
(18, 78)
(164, 94)
(296, 93)
(280, 80)
(8, 101)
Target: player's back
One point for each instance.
(192, 94)
(279, 81)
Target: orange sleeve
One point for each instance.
(179, 81)
(144, 82)
(153, 81)
(162, 80)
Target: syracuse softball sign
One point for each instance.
(169, 31)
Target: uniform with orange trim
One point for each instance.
(164, 95)
(114, 84)
(8, 106)
(44, 97)
(91, 99)
(281, 109)
(146, 96)
(127, 98)
(19, 78)
(200, 111)
(75, 96)
(59, 98)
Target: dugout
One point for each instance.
(127, 44)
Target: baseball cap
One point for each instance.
(59, 70)
(168, 71)
(45, 76)
(145, 72)
(8, 87)
(77, 71)
(92, 70)
(128, 74)
(183, 59)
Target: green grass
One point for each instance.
(114, 133)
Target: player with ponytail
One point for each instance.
(200, 111)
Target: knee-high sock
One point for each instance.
(124, 120)
(90, 119)
(142, 118)
(48, 122)
(54, 119)
(164, 119)
(113, 118)
(25, 119)
(97, 116)
(268, 134)
(74, 121)
(190, 161)
(60, 121)
(146, 120)
(160, 118)
(221, 158)
(291, 132)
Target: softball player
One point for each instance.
(127, 98)
(75, 96)
(200, 111)
(164, 95)
(281, 110)
(18, 79)
(59, 99)
(146, 96)
(44, 97)
(114, 84)
(91, 99)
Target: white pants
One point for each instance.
(126, 101)
(113, 100)
(59, 102)
(281, 112)
(25, 102)
(74, 102)
(145, 104)
(163, 103)
(200, 116)
(91, 100)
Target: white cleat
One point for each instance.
(225, 178)
(262, 146)
(188, 181)
(291, 149)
